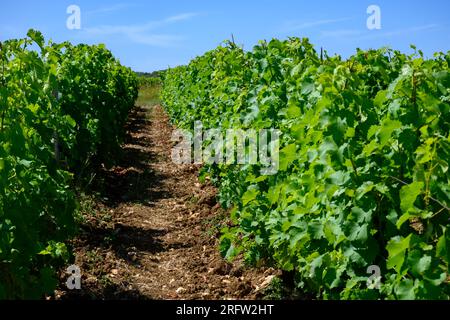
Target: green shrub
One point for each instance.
(363, 177)
(59, 106)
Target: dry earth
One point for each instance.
(152, 233)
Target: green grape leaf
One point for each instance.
(287, 156)
(405, 290)
(409, 194)
(396, 248)
(250, 194)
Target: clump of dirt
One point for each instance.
(152, 231)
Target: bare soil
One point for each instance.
(152, 232)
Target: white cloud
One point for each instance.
(364, 34)
(341, 33)
(140, 33)
(401, 32)
(111, 8)
(290, 26)
(158, 40)
(181, 17)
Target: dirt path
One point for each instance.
(154, 234)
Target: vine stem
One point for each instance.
(435, 200)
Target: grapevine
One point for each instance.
(363, 178)
(62, 107)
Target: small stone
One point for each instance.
(267, 281)
(206, 293)
(180, 290)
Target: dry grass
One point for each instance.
(149, 95)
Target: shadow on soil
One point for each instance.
(130, 181)
(125, 240)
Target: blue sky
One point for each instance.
(151, 35)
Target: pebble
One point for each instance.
(180, 290)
